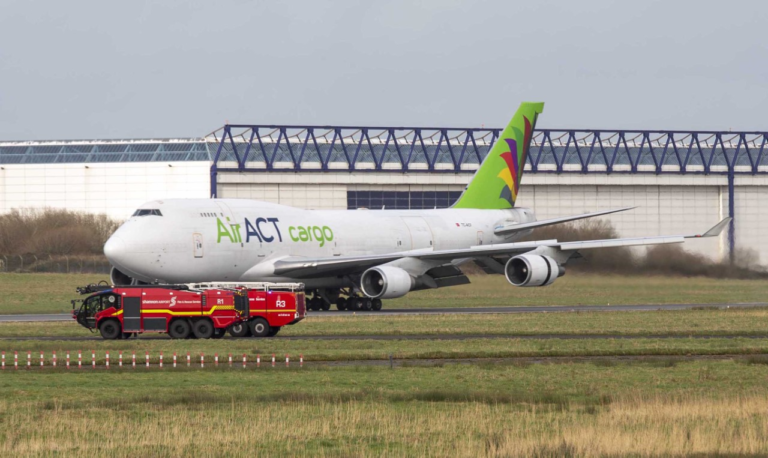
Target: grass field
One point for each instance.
(359, 350)
(455, 410)
(51, 293)
(659, 407)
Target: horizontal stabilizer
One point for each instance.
(516, 227)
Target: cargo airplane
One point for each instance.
(356, 258)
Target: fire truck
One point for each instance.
(190, 310)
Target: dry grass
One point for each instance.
(636, 425)
(53, 240)
(54, 232)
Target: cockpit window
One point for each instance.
(146, 212)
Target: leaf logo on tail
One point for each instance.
(496, 183)
(511, 174)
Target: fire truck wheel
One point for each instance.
(259, 327)
(376, 304)
(240, 330)
(218, 333)
(273, 331)
(325, 305)
(203, 329)
(179, 329)
(128, 335)
(110, 329)
(341, 303)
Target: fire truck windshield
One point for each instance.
(95, 304)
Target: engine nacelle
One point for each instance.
(386, 282)
(118, 278)
(532, 270)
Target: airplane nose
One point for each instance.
(114, 248)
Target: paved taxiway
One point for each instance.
(461, 310)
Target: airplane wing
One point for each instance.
(516, 227)
(302, 267)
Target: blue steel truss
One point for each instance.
(389, 149)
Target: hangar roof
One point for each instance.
(402, 149)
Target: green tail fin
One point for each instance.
(497, 181)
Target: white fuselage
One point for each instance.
(199, 240)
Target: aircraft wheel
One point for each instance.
(376, 304)
(356, 303)
(179, 329)
(110, 329)
(367, 305)
(341, 304)
(240, 330)
(203, 329)
(324, 305)
(260, 327)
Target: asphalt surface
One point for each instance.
(458, 310)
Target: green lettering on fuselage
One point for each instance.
(223, 232)
(311, 234)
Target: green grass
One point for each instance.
(590, 289)
(576, 382)
(343, 350)
(51, 293)
(41, 293)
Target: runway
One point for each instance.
(457, 310)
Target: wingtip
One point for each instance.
(717, 229)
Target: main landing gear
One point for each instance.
(322, 300)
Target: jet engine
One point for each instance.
(532, 270)
(386, 282)
(118, 278)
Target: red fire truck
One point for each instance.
(192, 310)
(121, 311)
(270, 306)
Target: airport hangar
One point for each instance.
(681, 181)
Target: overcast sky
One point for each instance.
(76, 69)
